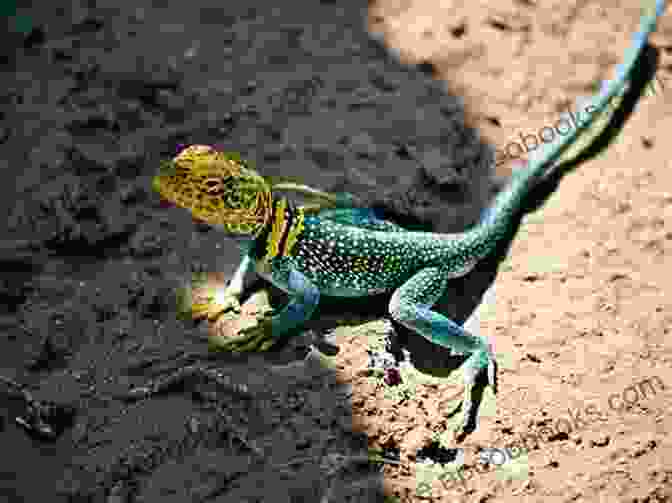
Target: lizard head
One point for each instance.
(218, 188)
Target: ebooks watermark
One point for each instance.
(532, 141)
(512, 458)
(575, 421)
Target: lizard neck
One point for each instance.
(278, 237)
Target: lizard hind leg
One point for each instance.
(411, 306)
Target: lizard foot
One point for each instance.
(481, 361)
(206, 297)
(256, 338)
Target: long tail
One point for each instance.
(599, 108)
(495, 221)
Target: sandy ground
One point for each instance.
(578, 312)
(582, 302)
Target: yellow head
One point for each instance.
(218, 188)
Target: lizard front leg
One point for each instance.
(304, 298)
(202, 299)
(411, 306)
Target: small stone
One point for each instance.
(392, 377)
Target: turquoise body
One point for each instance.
(350, 252)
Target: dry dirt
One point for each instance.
(583, 303)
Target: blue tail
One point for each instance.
(496, 219)
(564, 147)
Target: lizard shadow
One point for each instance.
(463, 295)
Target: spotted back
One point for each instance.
(218, 188)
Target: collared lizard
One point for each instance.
(345, 251)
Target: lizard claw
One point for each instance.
(205, 299)
(481, 361)
(258, 338)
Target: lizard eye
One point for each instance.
(213, 186)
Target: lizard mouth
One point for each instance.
(165, 203)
